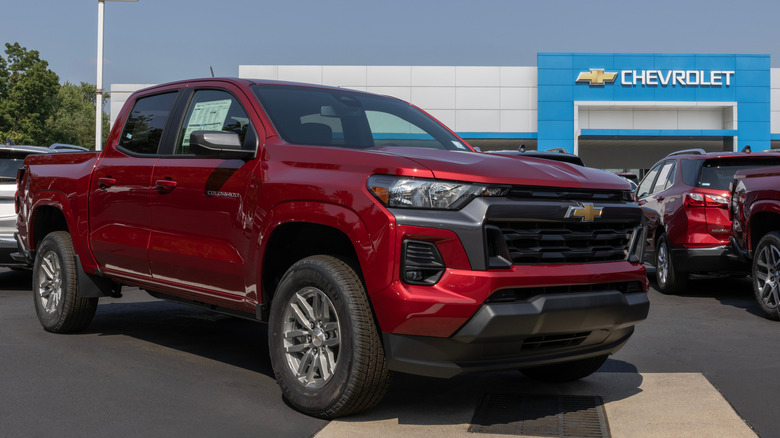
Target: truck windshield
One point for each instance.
(328, 117)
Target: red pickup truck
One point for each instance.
(366, 234)
(755, 212)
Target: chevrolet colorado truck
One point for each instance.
(367, 235)
(755, 211)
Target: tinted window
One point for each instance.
(144, 127)
(212, 110)
(9, 167)
(10, 163)
(644, 187)
(665, 177)
(690, 171)
(719, 173)
(327, 117)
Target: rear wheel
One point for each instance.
(766, 275)
(324, 345)
(668, 278)
(55, 287)
(566, 371)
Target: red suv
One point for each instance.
(686, 201)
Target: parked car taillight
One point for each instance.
(704, 200)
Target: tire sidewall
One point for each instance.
(770, 239)
(675, 280)
(53, 243)
(663, 243)
(312, 401)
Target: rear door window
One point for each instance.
(146, 123)
(665, 177)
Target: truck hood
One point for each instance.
(498, 169)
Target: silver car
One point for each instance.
(11, 158)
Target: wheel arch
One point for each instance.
(53, 211)
(762, 223)
(300, 229)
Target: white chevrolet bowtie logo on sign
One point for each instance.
(587, 212)
(597, 77)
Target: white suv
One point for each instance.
(11, 158)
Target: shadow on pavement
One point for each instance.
(734, 291)
(15, 279)
(416, 400)
(218, 337)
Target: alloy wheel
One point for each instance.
(662, 264)
(49, 282)
(312, 337)
(767, 275)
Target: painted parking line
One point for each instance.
(636, 405)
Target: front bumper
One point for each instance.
(525, 316)
(522, 284)
(542, 330)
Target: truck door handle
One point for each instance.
(106, 182)
(165, 185)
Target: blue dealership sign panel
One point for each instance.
(739, 85)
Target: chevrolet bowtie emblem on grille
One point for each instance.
(587, 212)
(596, 76)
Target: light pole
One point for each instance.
(99, 83)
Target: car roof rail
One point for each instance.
(697, 151)
(558, 150)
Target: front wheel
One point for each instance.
(566, 371)
(324, 344)
(766, 275)
(59, 307)
(668, 278)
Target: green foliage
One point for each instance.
(27, 93)
(35, 109)
(73, 121)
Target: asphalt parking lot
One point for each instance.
(704, 363)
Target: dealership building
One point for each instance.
(617, 111)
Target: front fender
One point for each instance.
(373, 242)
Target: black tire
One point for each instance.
(766, 275)
(324, 345)
(667, 277)
(566, 371)
(55, 287)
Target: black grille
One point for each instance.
(527, 293)
(555, 341)
(543, 193)
(565, 242)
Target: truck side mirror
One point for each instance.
(220, 144)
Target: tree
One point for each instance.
(73, 121)
(28, 90)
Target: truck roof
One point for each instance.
(249, 82)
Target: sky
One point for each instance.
(155, 41)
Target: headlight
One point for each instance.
(403, 192)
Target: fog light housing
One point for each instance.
(421, 263)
